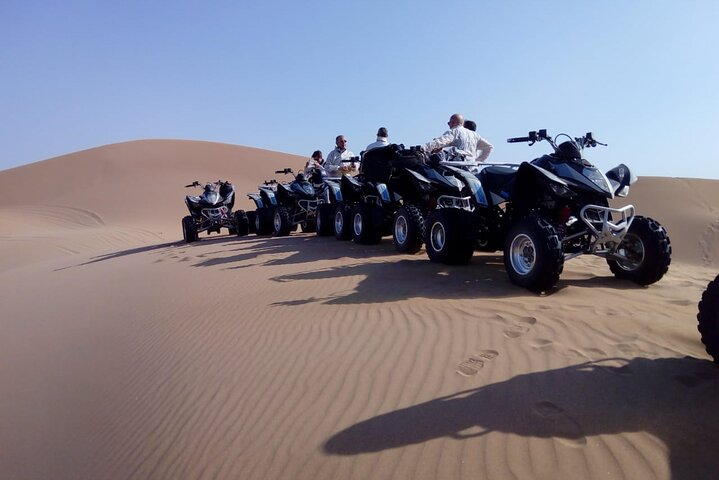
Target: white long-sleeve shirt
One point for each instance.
(333, 162)
(381, 142)
(467, 143)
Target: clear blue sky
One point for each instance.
(290, 75)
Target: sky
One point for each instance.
(289, 76)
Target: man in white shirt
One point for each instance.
(381, 140)
(333, 164)
(466, 143)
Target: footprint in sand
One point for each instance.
(542, 344)
(520, 327)
(476, 362)
(564, 428)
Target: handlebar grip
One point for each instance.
(518, 139)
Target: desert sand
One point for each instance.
(128, 354)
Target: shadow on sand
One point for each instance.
(674, 399)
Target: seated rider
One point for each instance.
(315, 161)
(334, 165)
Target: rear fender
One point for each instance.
(268, 197)
(620, 177)
(255, 197)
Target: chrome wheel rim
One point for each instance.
(438, 236)
(339, 222)
(357, 223)
(277, 221)
(400, 229)
(631, 253)
(522, 254)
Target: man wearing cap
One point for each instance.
(381, 140)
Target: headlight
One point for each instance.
(560, 190)
(597, 178)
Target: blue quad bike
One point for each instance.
(282, 207)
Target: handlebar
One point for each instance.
(285, 171)
(355, 159)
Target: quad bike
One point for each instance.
(211, 211)
(282, 207)
(555, 208)
(708, 318)
(402, 188)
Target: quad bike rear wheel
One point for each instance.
(408, 230)
(644, 254)
(708, 318)
(533, 256)
(251, 215)
(189, 229)
(364, 230)
(242, 223)
(263, 221)
(324, 220)
(445, 238)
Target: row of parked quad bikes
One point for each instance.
(539, 213)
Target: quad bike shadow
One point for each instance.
(673, 399)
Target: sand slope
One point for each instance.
(128, 354)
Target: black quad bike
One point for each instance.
(331, 200)
(211, 211)
(555, 208)
(281, 207)
(708, 318)
(388, 192)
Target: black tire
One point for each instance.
(647, 252)
(281, 222)
(189, 229)
(408, 229)
(342, 222)
(324, 219)
(251, 221)
(242, 223)
(445, 238)
(533, 255)
(364, 230)
(708, 318)
(263, 221)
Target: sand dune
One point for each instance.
(128, 354)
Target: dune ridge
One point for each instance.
(128, 354)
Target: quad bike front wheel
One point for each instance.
(533, 256)
(189, 229)
(708, 318)
(644, 254)
(281, 222)
(408, 230)
(445, 237)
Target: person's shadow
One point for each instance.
(676, 400)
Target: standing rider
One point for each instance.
(465, 144)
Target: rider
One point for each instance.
(333, 164)
(459, 143)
